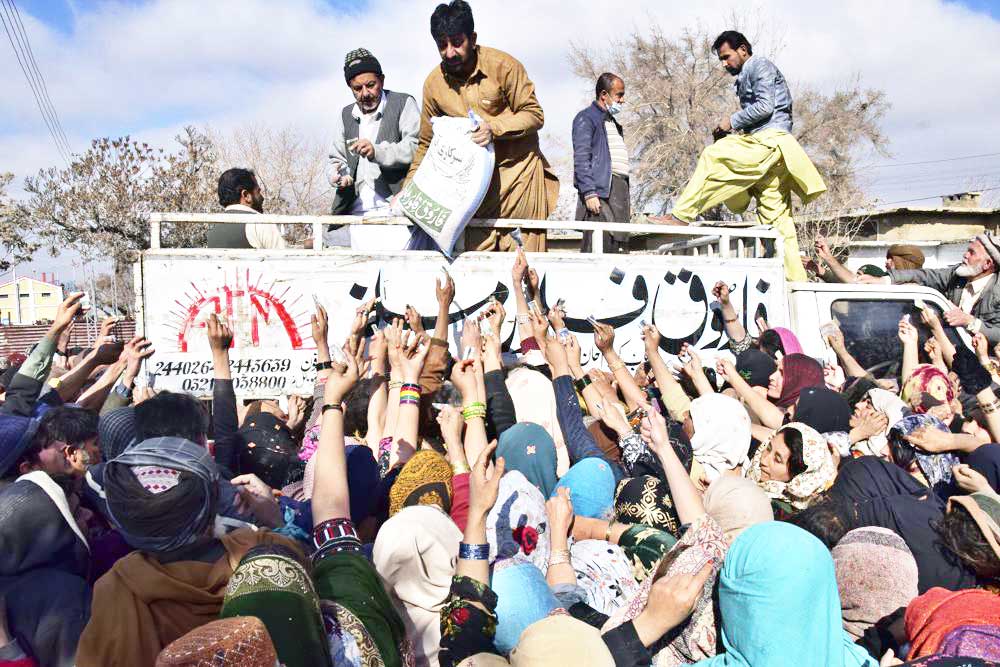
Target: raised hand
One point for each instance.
(413, 319)
(604, 336)
(483, 486)
(220, 336)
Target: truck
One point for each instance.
(666, 279)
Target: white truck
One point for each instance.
(268, 296)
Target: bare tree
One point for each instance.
(677, 92)
(290, 167)
(99, 204)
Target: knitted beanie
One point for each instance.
(360, 61)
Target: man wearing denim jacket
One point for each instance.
(600, 162)
(755, 155)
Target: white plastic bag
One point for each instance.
(450, 182)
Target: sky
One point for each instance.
(148, 68)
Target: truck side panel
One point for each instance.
(268, 299)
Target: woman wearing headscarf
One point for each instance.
(535, 403)
(424, 480)
(928, 388)
(272, 584)
(267, 448)
(529, 449)
(823, 409)
(933, 469)
(937, 613)
(415, 553)
(876, 576)
(736, 503)
(355, 603)
(163, 497)
(591, 483)
(794, 373)
(779, 605)
(873, 416)
(880, 493)
(44, 565)
(793, 467)
(721, 436)
(517, 524)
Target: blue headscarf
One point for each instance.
(523, 597)
(935, 467)
(779, 603)
(591, 484)
(529, 449)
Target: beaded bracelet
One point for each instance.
(335, 535)
(395, 384)
(409, 394)
(616, 367)
(473, 410)
(473, 551)
(560, 557)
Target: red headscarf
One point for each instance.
(799, 371)
(933, 615)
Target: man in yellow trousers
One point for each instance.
(755, 154)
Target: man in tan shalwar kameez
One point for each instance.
(496, 87)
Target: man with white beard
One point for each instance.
(972, 285)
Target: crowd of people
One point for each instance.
(504, 506)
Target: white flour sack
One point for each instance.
(450, 183)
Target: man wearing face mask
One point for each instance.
(971, 285)
(600, 163)
(754, 155)
(495, 87)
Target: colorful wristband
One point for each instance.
(582, 383)
(473, 551)
(473, 410)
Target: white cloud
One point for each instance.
(149, 69)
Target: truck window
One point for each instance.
(870, 328)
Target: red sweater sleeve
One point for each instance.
(459, 501)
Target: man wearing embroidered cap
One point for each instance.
(972, 285)
(374, 140)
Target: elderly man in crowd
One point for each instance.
(600, 162)
(972, 285)
(494, 86)
(374, 141)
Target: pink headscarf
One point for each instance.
(789, 341)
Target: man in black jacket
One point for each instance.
(601, 164)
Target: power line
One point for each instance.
(903, 201)
(947, 159)
(19, 52)
(38, 73)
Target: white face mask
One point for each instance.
(615, 108)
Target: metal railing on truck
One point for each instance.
(728, 241)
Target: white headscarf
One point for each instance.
(894, 409)
(416, 552)
(721, 437)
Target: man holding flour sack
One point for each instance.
(495, 87)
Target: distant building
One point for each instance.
(941, 232)
(27, 300)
